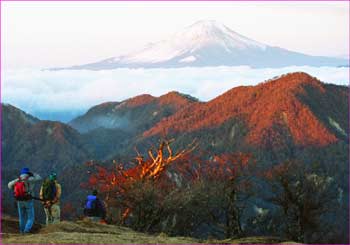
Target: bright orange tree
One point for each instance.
(114, 183)
(147, 188)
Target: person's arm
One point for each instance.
(58, 193)
(34, 178)
(41, 193)
(11, 184)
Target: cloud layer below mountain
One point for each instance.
(77, 90)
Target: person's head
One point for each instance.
(94, 192)
(53, 176)
(25, 171)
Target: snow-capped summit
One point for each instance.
(199, 36)
(208, 32)
(210, 43)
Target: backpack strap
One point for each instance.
(26, 183)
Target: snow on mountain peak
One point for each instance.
(200, 35)
(207, 31)
(210, 43)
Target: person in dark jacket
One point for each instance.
(94, 208)
(51, 199)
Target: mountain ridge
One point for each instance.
(209, 43)
(120, 114)
(261, 107)
(283, 99)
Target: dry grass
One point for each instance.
(85, 232)
(82, 232)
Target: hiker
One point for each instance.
(94, 208)
(23, 188)
(50, 194)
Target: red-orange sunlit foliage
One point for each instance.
(260, 108)
(155, 188)
(115, 182)
(173, 99)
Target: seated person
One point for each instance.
(94, 208)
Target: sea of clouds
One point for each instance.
(77, 90)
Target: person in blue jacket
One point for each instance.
(25, 204)
(94, 208)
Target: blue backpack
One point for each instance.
(91, 206)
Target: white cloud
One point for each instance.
(73, 90)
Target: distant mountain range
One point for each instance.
(291, 110)
(292, 116)
(209, 43)
(137, 113)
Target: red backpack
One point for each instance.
(21, 190)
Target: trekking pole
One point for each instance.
(37, 198)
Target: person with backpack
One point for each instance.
(23, 189)
(50, 194)
(94, 208)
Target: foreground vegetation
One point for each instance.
(222, 196)
(171, 196)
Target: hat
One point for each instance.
(25, 171)
(52, 176)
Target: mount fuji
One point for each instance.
(209, 43)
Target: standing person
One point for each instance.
(94, 208)
(50, 194)
(23, 188)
